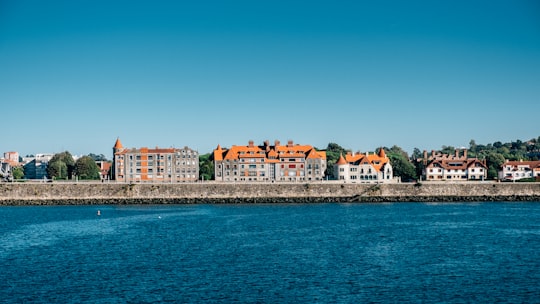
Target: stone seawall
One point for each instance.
(116, 193)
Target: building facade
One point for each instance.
(516, 170)
(457, 167)
(364, 168)
(269, 163)
(169, 165)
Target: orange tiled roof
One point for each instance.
(266, 151)
(375, 160)
(218, 153)
(118, 144)
(148, 151)
(341, 160)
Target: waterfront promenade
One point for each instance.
(84, 193)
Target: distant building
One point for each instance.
(364, 168)
(516, 170)
(267, 163)
(171, 165)
(104, 169)
(7, 163)
(457, 167)
(12, 158)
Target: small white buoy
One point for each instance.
(159, 217)
(98, 213)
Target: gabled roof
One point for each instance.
(374, 160)
(519, 163)
(449, 162)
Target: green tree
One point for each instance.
(96, 157)
(18, 173)
(55, 171)
(494, 162)
(400, 164)
(86, 168)
(472, 146)
(448, 150)
(206, 166)
(333, 151)
(417, 153)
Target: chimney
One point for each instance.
(289, 143)
(425, 154)
(433, 153)
(251, 143)
(465, 153)
(457, 153)
(276, 143)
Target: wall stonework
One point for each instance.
(116, 193)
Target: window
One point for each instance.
(292, 166)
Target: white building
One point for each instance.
(364, 168)
(515, 170)
(457, 167)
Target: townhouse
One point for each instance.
(269, 163)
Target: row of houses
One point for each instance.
(275, 162)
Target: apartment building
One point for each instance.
(166, 165)
(269, 163)
(457, 167)
(364, 168)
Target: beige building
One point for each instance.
(169, 165)
(268, 163)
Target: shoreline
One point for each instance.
(13, 194)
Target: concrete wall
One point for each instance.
(113, 193)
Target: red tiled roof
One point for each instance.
(118, 144)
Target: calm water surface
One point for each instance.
(320, 253)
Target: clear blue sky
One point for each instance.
(75, 75)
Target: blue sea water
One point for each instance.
(297, 253)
